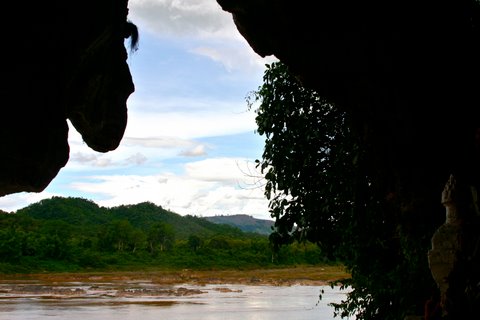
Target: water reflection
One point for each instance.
(147, 301)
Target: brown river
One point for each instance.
(146, 300)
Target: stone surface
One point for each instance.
(405, 71)
(406, 74)
(63, 59)
(454, 257)
(447, 247)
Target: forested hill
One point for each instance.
(74, 234)
(245, 223)
(84, 213)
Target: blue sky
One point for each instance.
(190, 144)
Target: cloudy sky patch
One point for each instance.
(190, 144)
(183, 18)
(197, 151)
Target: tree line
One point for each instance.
(74, 234)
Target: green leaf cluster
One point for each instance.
(308, 160)
(323, 189)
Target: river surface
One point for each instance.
(143, 300)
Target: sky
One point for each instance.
(190, 142)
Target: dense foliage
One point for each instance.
(322, 188)
(73, 234)
(308, 160)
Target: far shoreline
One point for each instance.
(297, 275)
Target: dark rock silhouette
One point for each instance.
(62, 59)
(406, 71)
(407, 74)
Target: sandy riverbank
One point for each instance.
(303, 275)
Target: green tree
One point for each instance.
(308, 160)
(194, 242)
(321, 188)
(219, 243)
(118, 235)
(54, 239)
(162, 236)
(10, 245)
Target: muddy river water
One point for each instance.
(144, 300)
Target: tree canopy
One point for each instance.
(322, 188)
(73, 234)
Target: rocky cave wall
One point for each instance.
(62, 59)
(406, 72)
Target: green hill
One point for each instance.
(75, 234)
(245, 223)
(142, 216)
(75, 211)
(83, 213)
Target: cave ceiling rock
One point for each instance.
(404, 72)
(64, 60)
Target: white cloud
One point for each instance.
(13, 202)
(190, 125)
(170, 146)
(210, 30)
(197, 151)
(207, 187)
(234, 56)
(195, 194)
(176, 103)
(192, 18)
(157, 142)
(136, 159)
(133, 151)
(90, 159)
(217, 169)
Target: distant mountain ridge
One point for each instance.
(244, 222)
(87, 214)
